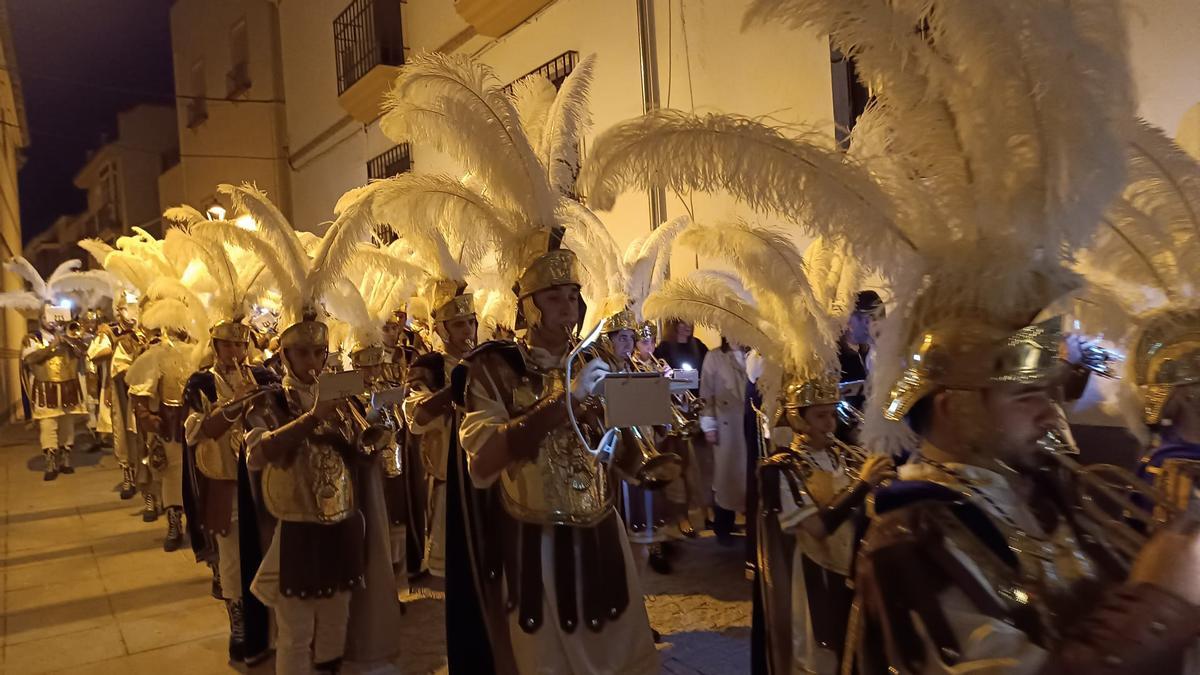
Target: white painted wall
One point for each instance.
(1165, 59)
(329, 149)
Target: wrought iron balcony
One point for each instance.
(396, 160)
(367, 34)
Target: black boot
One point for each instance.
(658, 559)
(51, 470)
(174, 529)
(217, 592)
(150, 512)
(64, 461)
(127, 488)
(237, 631)
(332, 667)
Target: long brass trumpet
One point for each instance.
(635, 458)
(686, 423)
(1106, 495)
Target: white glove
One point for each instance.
(587, 379)
(1076, 346)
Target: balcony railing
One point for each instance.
(396, 160)
(556, 69)
(367, 34)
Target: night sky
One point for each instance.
(81, 62)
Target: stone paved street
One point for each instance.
(87, 588)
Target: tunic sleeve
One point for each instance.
(485, 415)
(191, 427)
(989, 646)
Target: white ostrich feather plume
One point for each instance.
(710, 302)
(455, 103)
(346, 303)
(22, 300)
(532, 97)
(567, 119)
(22, 268)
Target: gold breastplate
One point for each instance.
(566, 485)
(61, 367)
(316, 487)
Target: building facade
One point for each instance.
(230, 113)
(14, 136)
(121, 181)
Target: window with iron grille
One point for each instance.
(850, 95)
(396, 160)
(367, 34)
(556, 69)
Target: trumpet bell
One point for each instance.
(375, 438)
(641, 464)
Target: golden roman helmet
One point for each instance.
(624, 320)
(307, 332)
(803, 392)
(971, 353)
(558, 267)
(230, 330)
(450, 301)
(1166, 355)
(648, 331)
(367, 356)
(553, 268)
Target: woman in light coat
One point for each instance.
(723, 387)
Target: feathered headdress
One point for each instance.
(1143, 264)
(617, 284)
(302, 281)
(519, 153)
(993, 146)
(66, 279)
(795, 307)
(229, 278)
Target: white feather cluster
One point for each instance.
(520, 153)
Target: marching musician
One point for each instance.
(113, 401)
(1165, 372)
(557, 501)
(54, 361)
(429, 408)
(433, 410)
(405, 489)
(156, 379)
(129, 446)
(815, 490)
(218, 398)
(652, 516)
(303, 448)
